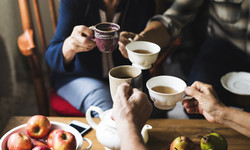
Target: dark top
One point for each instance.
(133, 18)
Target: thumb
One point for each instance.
(193, 93)
(138, 37)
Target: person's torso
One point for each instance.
(230, 19)
(134, 15)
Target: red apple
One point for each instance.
(38, 127)
(64, 141)
(51, 136)
(41, 147)
(182, 143)
(37, 143)
(19, 141)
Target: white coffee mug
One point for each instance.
(124, 73)
(166, 91)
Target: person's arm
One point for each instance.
(154, 32)
(162, 29)
(207, 103)
(130, 136)
(235, 119)
(131, 110)
(67, 40)
(78, 41)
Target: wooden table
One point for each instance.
(163, 132)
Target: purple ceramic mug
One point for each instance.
(106, 36)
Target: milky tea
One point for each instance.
(164, 89)
(142, 51)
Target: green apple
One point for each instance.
(213, 141)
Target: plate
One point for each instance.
(237, 82)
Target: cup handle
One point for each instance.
(130, 40)
(89, 142)
(93, 29)
(185, 96)
(90, 121)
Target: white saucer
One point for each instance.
(237, 82)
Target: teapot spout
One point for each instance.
(144, 132)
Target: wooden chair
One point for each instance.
(49, 103)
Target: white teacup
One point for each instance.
(142, 54)
(166, 91)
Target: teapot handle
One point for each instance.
(90, 121)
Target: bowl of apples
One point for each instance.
(41, 134)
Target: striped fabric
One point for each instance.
(229, 19)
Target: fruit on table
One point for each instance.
(213, 141)
(41, 147)
(51, 136)
(38, 127)
(64, 141)
(19, 141)
(37, 143)
(182, 143)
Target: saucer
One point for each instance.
(237, 82)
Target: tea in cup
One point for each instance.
(142, 54)
(125, 73)
(166, 91)
(106, 36)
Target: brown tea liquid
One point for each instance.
(164, 89)
(142, 51)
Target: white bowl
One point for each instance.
(54, 125)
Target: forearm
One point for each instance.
(130, 136)
(235, 119)
(156, 32)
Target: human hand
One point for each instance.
(80, 40)
(205, 101)
(124, 40)
(131, 106)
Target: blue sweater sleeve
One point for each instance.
(66, 23)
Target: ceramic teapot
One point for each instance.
(106, 131)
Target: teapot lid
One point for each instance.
(107, 119)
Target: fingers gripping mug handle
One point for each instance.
(93, 29)
(89, 118)
(185, 96)
(89, 142)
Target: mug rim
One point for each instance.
(111, 23)
(125, 66)
(147, 42)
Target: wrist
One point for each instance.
(221, 114)
(67, 50)
(129, 133)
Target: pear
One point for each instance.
(182, 143)
(213, 141)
